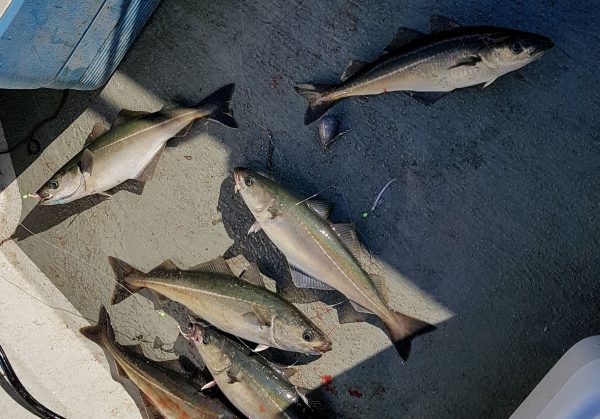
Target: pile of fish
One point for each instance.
(321, 254)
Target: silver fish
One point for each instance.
(428, 66)
(130, 150)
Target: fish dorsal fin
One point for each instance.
(98, 129)
(303, 280)
(403, 37)
(218, 265)
(354, 67)
(126, 115)
(323, 208)
(381, 285)
(148, 172)
(347, 235)
(150, 410)
(252, 275)
(360, 308)
(167, 265)
(439, 23)
(426, 98)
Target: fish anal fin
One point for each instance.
(120, 370)
(303, 280)
(217, 265)
(252, 275)
(353, 67)
(323, 208)
(403, 37)
(489, 82)
(148, 172)
(126, 115)
(183, 132)
(150, 408)
(426, 98)
(381, 285)
(167, 265)
(360, 308)
(347, 235)
(98, 129)
(439, 23)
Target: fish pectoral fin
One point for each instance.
(353, 67)
(260, 348)
(233, 374)
(403, 37)
(439, 23)
(149, 408)
(126, 115)
(348, 237)
(303, 280)
(466, 62)
(381, 285)
(148, 172)
(217, 265)
(264, 318)
(98, 129)
(252, 275)
(87, 162)
(426, 98)
(183, 132)
(489, 82)
(106, 194)
(360, 308)
(167, 265)
(323, 208)
(208, 385)
(254, 228)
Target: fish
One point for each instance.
(240, 306)
(322, 255)
(130, 149)
(428, 66)
(254, 386)
(164, 392)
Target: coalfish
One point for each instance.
(240, 306)
(258, 389)
(130, 150)
(428, 66)
(322, 255)
(164, 392)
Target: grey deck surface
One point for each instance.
(494, 216)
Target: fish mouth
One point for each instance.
(541, 46)
(239, 173)
(42, 197)
(321, 349)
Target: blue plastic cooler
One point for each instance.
(66, 44)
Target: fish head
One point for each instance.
(212, 347)
(507, 50)
(66, 185)
(298, 334)
(260, 193)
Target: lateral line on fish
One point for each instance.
(86, 263)
(338, 267)
(147, 129)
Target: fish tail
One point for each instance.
(317, 103)
(102, 329)
(404, 329)
(221, 100)
(123, 288)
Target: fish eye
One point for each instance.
(248, 180)
(53, 184)
(308, 335)
(517, 47)
(205, 339)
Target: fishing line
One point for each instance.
(161, 313)
(312, 196)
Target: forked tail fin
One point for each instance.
(404, 329)
(101, 331)
(123, 288)
(221, 100)
(317, 105)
